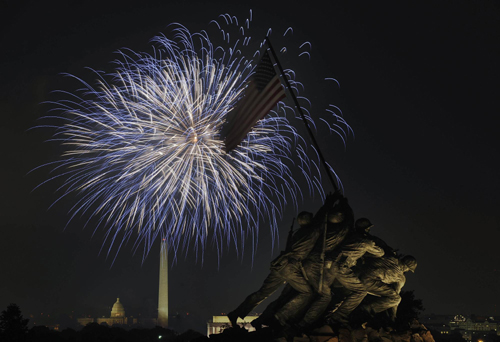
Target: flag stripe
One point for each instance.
(263, 92)
(245, 127)
(242, 128)
(252, 112)
(259, 107)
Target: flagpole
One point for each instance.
(315, 143)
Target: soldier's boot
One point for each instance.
(337, 322)
(233, 318)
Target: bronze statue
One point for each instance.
(319, 262)
(356, 246)
(287, 267)
(384, 278)
(328, 248)
(289, 305)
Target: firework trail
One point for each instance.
(145, 156)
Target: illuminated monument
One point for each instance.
(117, 317)
(118, 310)
(163, 290)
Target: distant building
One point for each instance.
(437, 323)
(219, 323)
(470, 327)
(117, 317)
(474, 324)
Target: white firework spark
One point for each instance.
(145, 154)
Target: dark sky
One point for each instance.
(419, 86)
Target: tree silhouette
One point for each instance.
(13, 327)
(408, 310)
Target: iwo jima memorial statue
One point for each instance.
(339, 279)
(340, 282)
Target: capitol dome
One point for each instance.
(118, 310)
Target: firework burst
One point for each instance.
(145, 156)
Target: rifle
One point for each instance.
(289, 238)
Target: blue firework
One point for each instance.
(145, 156)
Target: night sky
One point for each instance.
(419, 86)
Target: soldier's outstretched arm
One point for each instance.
(399, 284)
(374, 251)
(381, 243)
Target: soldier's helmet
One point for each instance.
(409, 262)
(336, 217)
(304, 218)
(363, 224)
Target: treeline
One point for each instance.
(94, 332)
(14, 328)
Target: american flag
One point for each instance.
(263, 92)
